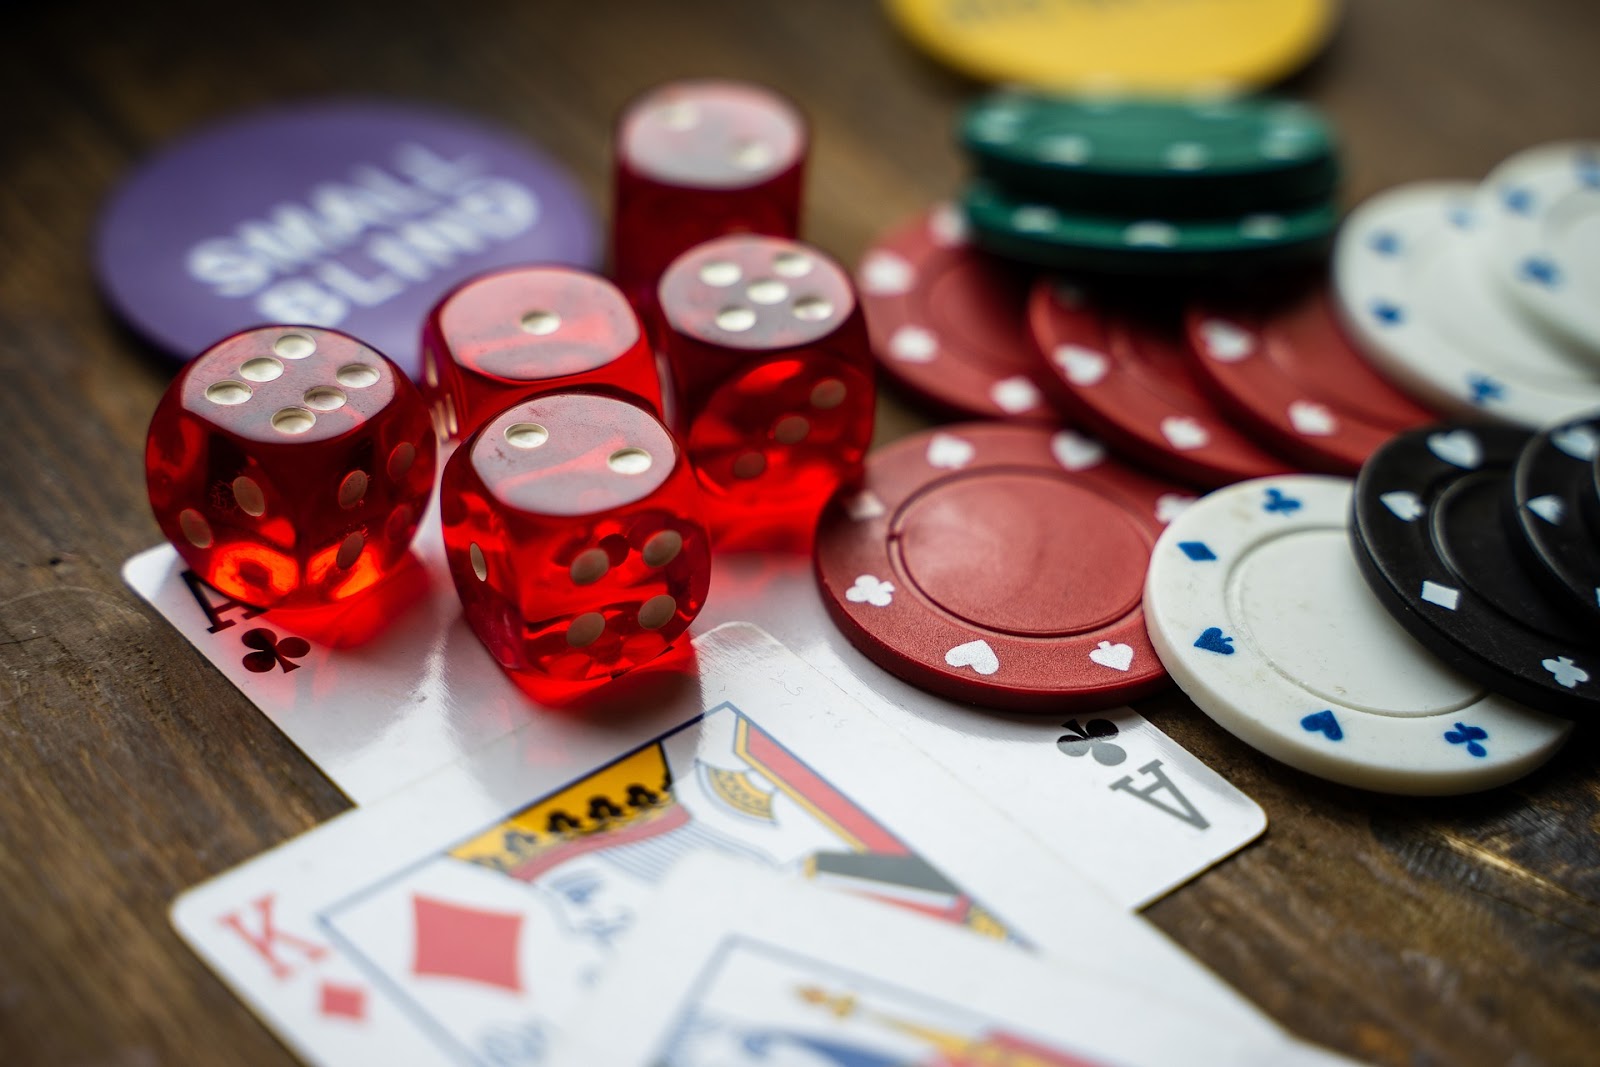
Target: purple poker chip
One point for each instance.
(352, 214)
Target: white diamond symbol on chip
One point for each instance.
(1069, 149)
(1014, 395)
(1262, 227)
(885, 273)
(1034, 218)
(1442, 595)
(1150, 234)
(913, 344)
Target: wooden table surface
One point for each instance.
(1459, 931)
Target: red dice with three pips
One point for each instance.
(527, 331)
(290, 466)
(774, 381)
(696, 160)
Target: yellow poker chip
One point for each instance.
(1131, 46)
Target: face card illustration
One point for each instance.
(1107, 791)
(464, 918)
(418, 693)
(730, 966)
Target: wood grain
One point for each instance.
(1408, 932)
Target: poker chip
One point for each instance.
(1129, 379)
(1253, 604)
(351, 214)
(1412, 289)
(998, 563)
(1142, 46)
(1197, 157)
(1046, 235)
(947, 323)
(1285, 369)
(1558, 510)
(1431, 541)
(1542, 212)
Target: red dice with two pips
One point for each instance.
(573, 532)
(290, 465)
(774, 381)
(696, 160)
(503, 337)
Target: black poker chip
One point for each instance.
(1430, 538)
(1555, 509)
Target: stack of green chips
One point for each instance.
(1150, 188)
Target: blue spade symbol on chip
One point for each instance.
(1213, 640)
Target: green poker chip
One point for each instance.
(1190, 157)
(1047, 235)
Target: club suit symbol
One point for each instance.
(270, 652)
(1093, 740)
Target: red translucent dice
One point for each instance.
(696, 160)
(517, 333)
(774, 380)
(572, 528)
(290, 465)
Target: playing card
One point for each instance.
(409, 690)
(1107, 791)
(732, 965)
(463, 918)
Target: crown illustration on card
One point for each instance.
(625, 801)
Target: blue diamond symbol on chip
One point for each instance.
(1388, 314)
(1198, 551)
(1518, 199)
(1542, 271)
(1386, 243)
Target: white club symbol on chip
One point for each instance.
(1076, 452)
(870, 589)
(1082, 366)
(949, 452)
(1312, 419)
(1225, 342)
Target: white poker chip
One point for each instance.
(1256, 608)
(1542, 213)
(1413, 288)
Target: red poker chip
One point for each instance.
(1287, 370)
(948, 323)
(1129, 379)
(1000, 564)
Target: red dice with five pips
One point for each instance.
(774, 380)
(290, 465)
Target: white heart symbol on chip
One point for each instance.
(1549, 508)
(1226, 342)
(975, 654)
(913, 344)
(1076, 452)
(1579, 442)
(1082, 366)
(1170, 505)
(949, 453)
(1184, 433)
(1312, 419)
(1014, 395)
(1117, 657)
(888, 274)
(1458, 448)
(1406, 505)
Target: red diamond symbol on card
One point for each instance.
(344, 1001)
(454, 941)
